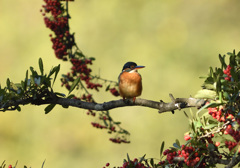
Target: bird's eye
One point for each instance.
(132, 66)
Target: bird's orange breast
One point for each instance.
(130, 84)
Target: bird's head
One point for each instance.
(131, 67)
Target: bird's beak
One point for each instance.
(139, 67)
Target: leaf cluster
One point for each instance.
(216, 87)
(35, 87)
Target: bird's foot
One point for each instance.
(134, 98)
(126, 100)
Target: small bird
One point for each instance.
(130, 81)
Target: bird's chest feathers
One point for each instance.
(130, 84)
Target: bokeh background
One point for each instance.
(177, 41)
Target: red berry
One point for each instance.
(187, 137)
(217, 144)
(197, 159)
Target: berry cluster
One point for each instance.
(170, 155)
(80, 69)
(227, 71)
(191, 157)
(54, 7)
(190, 160)
(56, 18)
(114, 91)
(133, 163)
(230, 145)
(119, 140)
(218, 114)
(236, 136)
(221, 116)
(58, 23)
(80, 66)
(87, 98)
(91, 112)
(97, 125)
(107, 164)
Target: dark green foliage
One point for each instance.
(34, 87)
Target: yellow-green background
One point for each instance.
(176, 40)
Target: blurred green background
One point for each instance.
(176, 40)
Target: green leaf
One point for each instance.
(60, 94)
(177, 142)
(234, 74)
(211, 147)
(51, 72)
(129, 160)
(18, 108)
(211, 72)
(222, 60)
(43, 163)
(152, 162)
(236, 153)
(31, 81)
(49, 108)
(105, 123)
(26, 81)
(226, 96)
(210, 126)
(146, 163)
(8, 83)
(92, 58)
(142, 158)
(107, 88)
(57, 68)
(23, 85)
(37, 80)
(70, 96)
(197, 124)
(161, 149)
(220, 95)
(213, 104)
(209, 86)
(79, 54)
(14, 86)
(74, 84)
(185, 114)
(3, 163)
(40, 62)
(16, 164)
(34, 73)
(205, 94)
(193, 127)
(176, 146)
(26, 78)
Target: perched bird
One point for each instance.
(130, 81)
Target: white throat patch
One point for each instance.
(132, 71)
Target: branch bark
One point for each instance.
(178, 103)
(233, 162)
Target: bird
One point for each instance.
(130, 81)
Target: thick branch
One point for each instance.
(178, 103)
(233, 162)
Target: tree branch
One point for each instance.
(233, 162)
(178, 103)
